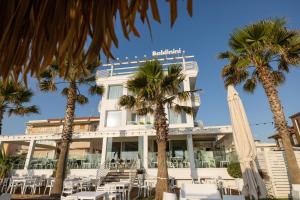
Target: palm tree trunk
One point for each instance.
(161, 128)
(1, 120)
(65, 141)
(280, 122)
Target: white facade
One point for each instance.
(194, 150)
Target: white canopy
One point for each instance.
(245, 146)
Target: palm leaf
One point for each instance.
(22, 110)
(81, 99)
(127, 101)
(71, 24)
(96, 90)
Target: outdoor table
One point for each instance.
(89, 195)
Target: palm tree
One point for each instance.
(153, 89)
(261, 53)
(79, 73)
(5, 165)
(13, 99)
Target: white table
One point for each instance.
(90, 195)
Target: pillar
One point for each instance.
(29, 154)
(103, 152)
(193, 168)
(145, 161)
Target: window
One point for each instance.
(115, 91)
(113, 118)
(176, 118)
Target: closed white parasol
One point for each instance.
(245, 146)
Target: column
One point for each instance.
(145, 161)
(193, 168)
(29, 154)
(103, 152)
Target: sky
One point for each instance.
(203, 35)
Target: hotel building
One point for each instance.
(122, 140)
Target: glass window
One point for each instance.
(176, 118)
(115, 91)
(113, 118)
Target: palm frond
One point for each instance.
(127, 101)
(22, 110)
(47, 85)
(81, 99)
(65, 91)
(186, 109)
(144, 111)
(96, 90)
(278, 77)
(73, 22)
(250, 84)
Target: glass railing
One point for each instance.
(42, 163)
(177, 161)
(125, 69)
(87, 161)
(18, 164)
(214, 159)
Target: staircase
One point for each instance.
(116, 176)
(106, 175)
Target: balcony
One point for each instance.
(130, 67)
(196, 101)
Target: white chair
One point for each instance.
(29, 184)
(13, 186)
(49, 184)
(4, 184)
(150, 185)
(68, 188)
(199, 191)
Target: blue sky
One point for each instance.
(204, 36)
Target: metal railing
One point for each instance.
(120, 70)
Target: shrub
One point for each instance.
(234, 170)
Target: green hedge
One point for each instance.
(234, 170)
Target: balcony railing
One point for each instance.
(196, 99)
(120, 70)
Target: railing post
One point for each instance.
(29, 154)
(103, 153)
(193, 168)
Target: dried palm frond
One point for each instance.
(33, 32)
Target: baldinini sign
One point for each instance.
(166, 52)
